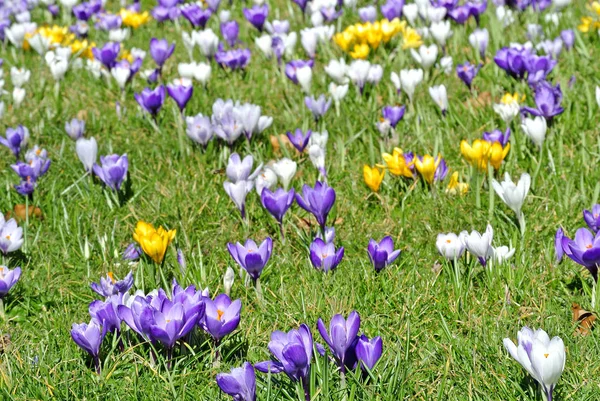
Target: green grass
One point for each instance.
(439, 343)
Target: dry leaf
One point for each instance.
(585, 318)
(277, 140)
(483, 99)
(19, 214)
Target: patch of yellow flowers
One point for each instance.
(154, 242)
(481, 153)
(60, 36)
(134, 19)
(591, 24)
(359, 39)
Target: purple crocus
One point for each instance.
(74, 129)
(467, 72)
(538, 68)
(547, 101)
(293, 355)
(230, 31)
(391, 116)
(299, 139)
(476, 8)
(558, 247)
(382, 254)
(592, 218)
(160, 50)
(277, 203)
(318, 201)
(330, 14)
(233, 59)
(568, 38)
(88, 337)
(109, 286)
(8, 278)
(368, 352)
(341, 338)
(107, 55)
(324, 256)
(107, 22)
(251, 257)
(302, 4)
(181, 94)
(390, 10)
(257, 15)
(15, 139)
(369, 14)
(105, 314)
(132, 252)
(162, 13)
(293, 66)
(584, 250)
(460, 14)
(497, 136)
(513, 60)
(172, 321)
(112, 171)
(222, 316)
(196, 15)
(318, 106)
(151, 100)
(199, 129)
(240, 383)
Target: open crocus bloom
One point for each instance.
(584, 250)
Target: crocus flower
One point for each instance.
(391, 116)
(318, 106)
(425, 56)
(502, 253)
(368, 352)
(105, 314)
(240, 383)
(341, 338)
(233, 59)
(440, 97)
(230, 31)
(107, 55)
(568, 38)
(382, 254)
(480, 245)
(87, 151)
(11, 236)
(467, 72)
(277, 203)
(584, 250)
(154, 242)
(318, 201)
(238, 192)
(172, 321)
(151, 100)
(481, 153)
(8, 278)
(514, 194)
(542, 358)
(547, 100)
(427, 166)
(299, 139)
(497, 136)
(160, 50)
(479, 39)
(450, 246)
(181, 92)
(196, 15)
(397, 164)
(373, 177)
(88, 337)
(109, 286)
(538, 68)
(535, 129)
(251, 257)
(15, 139)
(460, 14)
(112, 171)
(324, 256)
(222, 316)
(513, 60)
(293, 355)
(455, 187)
(74, 128)
(132, 252)
(239, 170)
(559, 252)
(592, 218)
(257, 15)
(409, 80)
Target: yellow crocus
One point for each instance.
(133, 19)
(426, 166)
(498, 154)
(373, 177)
(154, 242)
(510, 98)
(344, 40)
(586, 22)
(360, 51)
(390, 29)
(374, 37)
(83, 48)
(455, 187)
(483, 152)
(411, 39)
(396, 163)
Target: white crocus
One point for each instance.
(479, 245)
(338, 92)
(450, 246)
(410, 12)
(18, 95)
(309, 41)
(505, 15)
(265, 179)
(441, 31)
(121, 74)
(265, 45)
(304, 76)
(395, 78)
(409, 79)
(479, 39)
(514, 194)
(598, 95)
(228, 279)
(19, 76)
(507, 111)
(337, 70)
(426, 55)
(446, 64)
(207, 41)
(285, 170)
(543, 358)
(440, 97)
(118, 35)
(238, 192)
(39, 43)
(535, 129)
(87, 151)
(503, 253)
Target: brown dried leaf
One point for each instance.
(483, 99)
(585, 318)
(19, 214)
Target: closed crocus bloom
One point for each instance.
(440, 97)
(318, 106)
(8, 278)
(337, 70)
(11, 236)
(584, 250)
(181, 92)
(324, 256)
(15, 139)
(455, 187)
(237, 169)
(87, 151)
(238, 192)
(161, 50)
(105, 314)
(299, 139)
(450, 246)
(112, 171)
(222, 316)
(199, 129)
(228, 279)
(498, 154)
(317, 200)
(18, 95)
(285, 170)
(341, 337)
(427, 166)
(592, 218)
(151, 100)
(207, 40)
(479, 39)
(154, 242)
(88, 337)
(368, 352)
(382, 254)
(277, 203)
(441, 31)
(251, 257)
(542, 358)
(559, 252)
(426, 55)
(409, 79)
(503, 253)
(467, 72)
(535, 129)
(265, 179)
(513, 194)
(240, 383)
(396, 163)
(548, 101)
(480, 245)
(373, 177)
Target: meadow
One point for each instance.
(441, 322)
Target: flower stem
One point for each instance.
(97, 364)
(306, 387)
(491, 191)
(2, 313)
